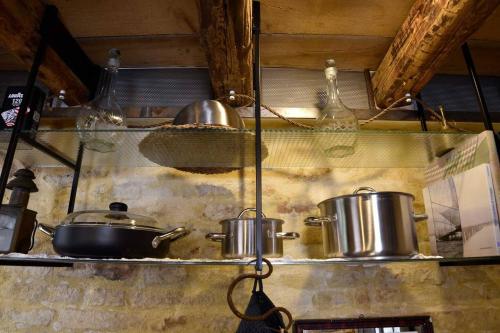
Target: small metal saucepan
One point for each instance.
(113, 233)
(368, 224)
(238, 236)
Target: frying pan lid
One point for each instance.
(117, 215)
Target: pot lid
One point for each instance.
(368, 191)
(116, 215)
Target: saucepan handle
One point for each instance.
(48, 230)
(171, 236)
(363, 189)
(215, 236)
(250, 210)
(313, 221)
(287, 235)
(420, 217)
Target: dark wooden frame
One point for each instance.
(328, 324)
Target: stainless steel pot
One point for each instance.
(368, 224)
(209, 112)
(238, 236)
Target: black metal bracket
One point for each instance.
(34, 263)
(68, 49)
(76, 177)
(47, 150)
(477, 87)
(421, 114)
(470, 262)
(48, 16)
(54, 34)
(483, 108)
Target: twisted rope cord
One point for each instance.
(298, 124)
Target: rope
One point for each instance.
(384, 111)
(268, 108)
(167, 122)
(298, 124)
(437, 115)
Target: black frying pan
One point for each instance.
(99, 240)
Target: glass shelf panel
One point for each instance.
(282, 148)
(55, 260)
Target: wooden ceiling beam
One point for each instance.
(226, 37)
(20, 36)
(432, 30)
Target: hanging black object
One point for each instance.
(261, 316)
(258, 305)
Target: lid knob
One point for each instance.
(118, 207)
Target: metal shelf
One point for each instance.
(17, 259)
(282, 148)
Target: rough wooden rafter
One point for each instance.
(432, 30)
(226, 37)
(19, 35)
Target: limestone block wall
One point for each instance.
(134, 298)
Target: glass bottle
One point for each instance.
(100, 118)
(338, 117)
(335, 115)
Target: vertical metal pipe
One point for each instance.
(76, 177)
(49, 15)
(477, 87)
(258, 147)
(421, 114)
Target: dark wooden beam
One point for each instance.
(432, 30)
(20, 36)
(226, 37)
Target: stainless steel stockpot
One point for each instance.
(238, 236)
(368, 224)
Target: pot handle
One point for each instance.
(171, 236)
(215, 236)
(420, 217)
(363, 188)
(48, 230)
(313, 221)
(287, 235)
(250, 210)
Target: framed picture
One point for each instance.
(420, 324)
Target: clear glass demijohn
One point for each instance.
(100, 118)
(337, 117)
(335, 114)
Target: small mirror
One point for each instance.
(421, 324)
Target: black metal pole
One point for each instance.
(477, 87)
(76, 177)
(258, 147)
(49, 15)
(421, 114)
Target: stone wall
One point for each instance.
(133, 298)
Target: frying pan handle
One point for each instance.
(287, 235)
(313, 221)
(215, 236)
(171, 236)
(420, 217)
(49, 231)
